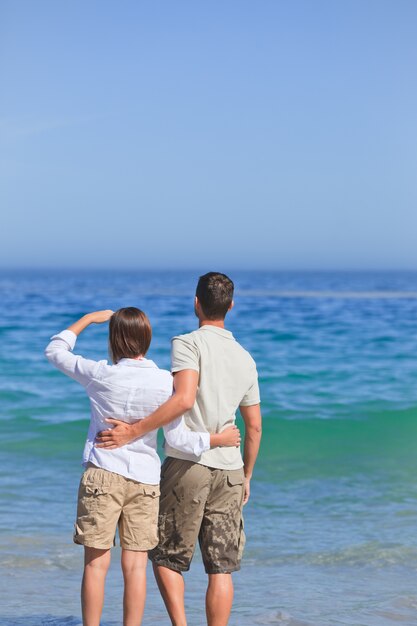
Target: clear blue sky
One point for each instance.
(221, 133)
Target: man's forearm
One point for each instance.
(253, 432)
(171, 409)
(251, 449)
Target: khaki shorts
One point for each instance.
(203, 503)
(106, 501)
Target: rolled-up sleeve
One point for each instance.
(59, 353)
(178, 436)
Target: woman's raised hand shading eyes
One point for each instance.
(99, 317)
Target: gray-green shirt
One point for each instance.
(227, 379)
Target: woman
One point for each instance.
(120, 488)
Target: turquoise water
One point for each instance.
(332, 519)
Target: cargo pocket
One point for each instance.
(77, 534)
(235, 477)
(90, 498)
(235, 480)
(149, 509)
(150, 490)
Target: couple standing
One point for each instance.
(204, 481)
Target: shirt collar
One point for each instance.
(137, 363)
(219, 331)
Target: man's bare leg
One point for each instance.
(219, 599)
(96, 565)
(171, 587)
(134, 574)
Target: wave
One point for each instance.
(363, 439)
(372, 554)
(379, 440)
(28, 436)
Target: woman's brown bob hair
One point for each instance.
(130, 334)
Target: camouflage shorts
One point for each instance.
(203, 503)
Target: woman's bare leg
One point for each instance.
(134, 574)
(96, 565)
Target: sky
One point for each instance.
(262, 134)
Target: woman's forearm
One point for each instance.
(97, 317)
(81, 324)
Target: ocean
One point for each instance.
(332, 520)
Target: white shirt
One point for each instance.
(128, 391)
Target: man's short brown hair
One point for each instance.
(130, 334)
(215, 295)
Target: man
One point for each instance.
(202, 497)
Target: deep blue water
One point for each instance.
(332, 520)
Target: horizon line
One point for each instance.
(66, 268)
